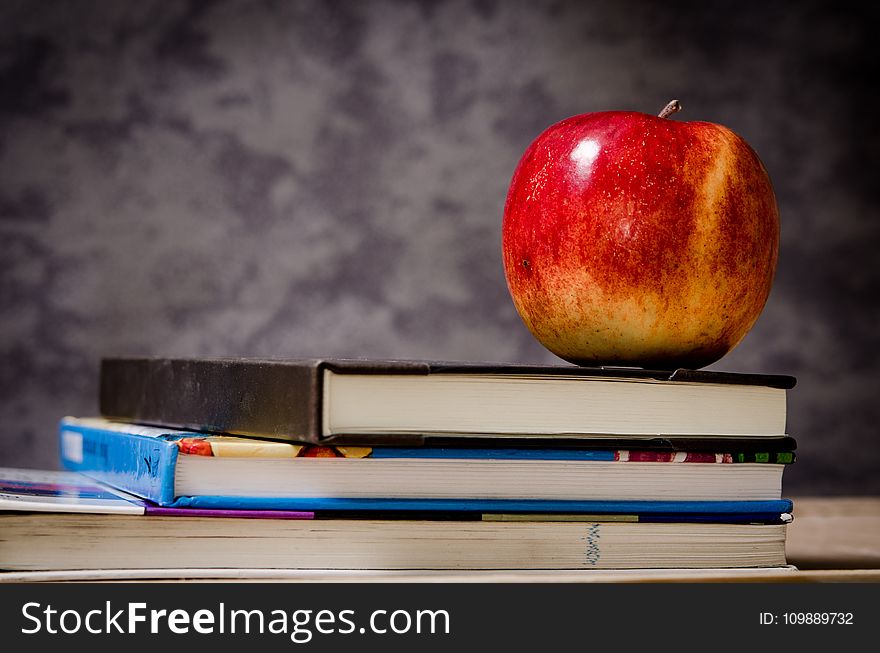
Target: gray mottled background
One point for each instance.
(325, 178)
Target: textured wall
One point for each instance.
(321, 178)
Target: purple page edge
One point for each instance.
(248, 514)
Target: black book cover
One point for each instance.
(281, 399)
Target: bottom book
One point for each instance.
(41, 541)
(57, 521)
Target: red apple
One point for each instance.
(638, 240)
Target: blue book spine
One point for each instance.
(139, 460)
(776, 507)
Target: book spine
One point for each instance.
(139, 464)
(269, 399)
(309, 504)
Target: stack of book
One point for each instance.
(346, 464)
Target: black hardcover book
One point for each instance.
(405, 403)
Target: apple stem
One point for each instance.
(673, 107)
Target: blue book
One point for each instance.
(178, 468)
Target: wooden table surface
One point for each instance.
(835, 533)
